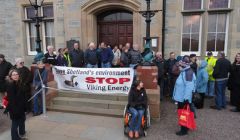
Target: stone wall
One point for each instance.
(174, 25)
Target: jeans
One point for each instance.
(18, 125)
(210, 88)
(220, 88)
(37, 103)
(106, 65)
(136, 119)
(92, 66)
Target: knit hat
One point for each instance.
(19, 60)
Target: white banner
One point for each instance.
(94, 80)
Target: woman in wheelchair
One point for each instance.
(137, 101)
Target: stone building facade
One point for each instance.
(70, 19)
(199, 26)
(189, 26)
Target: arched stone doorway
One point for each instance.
(92, 9)
(115, 27)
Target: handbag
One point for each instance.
(197, 100)
(186, 117)
(5, 102)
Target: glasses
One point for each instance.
(21, 63)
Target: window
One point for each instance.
(192, 4)
(46, 28)
(115, 16)
(191, 34)
(216, 4)
(217, 32)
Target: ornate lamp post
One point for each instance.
(36, 4)
(148, 14)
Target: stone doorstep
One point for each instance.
(88, 110)
(74, 94)
(106, 104)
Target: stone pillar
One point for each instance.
(148, 74)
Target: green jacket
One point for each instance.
(210, 67)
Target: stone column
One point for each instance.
(148, 74)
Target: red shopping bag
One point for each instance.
(186, 117)
(4, 101)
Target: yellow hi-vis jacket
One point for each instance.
(67, 57)
(210, 67)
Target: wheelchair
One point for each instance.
(144, 125)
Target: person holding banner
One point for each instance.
(183, 89)
(137, 102)
(16, 104)
(106, 56)
(91, 56)
(40, 77)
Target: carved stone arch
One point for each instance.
(92, 8)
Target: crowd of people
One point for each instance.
(185, 76)
(103, 56)
(178, 77)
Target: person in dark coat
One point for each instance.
(234, 84)
(193, 64)
(4, 69)
(61, 61)
(220, 73)
(76, 56)
(16, 105)
(106, 56)
(124, 59)
(26, 77)
(159, 62)
(171, 78)
(50, 57)
(137, 101)
(91, 56)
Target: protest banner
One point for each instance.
(94, 80)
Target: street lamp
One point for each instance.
(148, 14)
(36, 4)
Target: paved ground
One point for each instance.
(211, 125)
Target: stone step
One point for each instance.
(87, 110)
(96, 103)
(74, 94)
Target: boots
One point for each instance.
(183, 131)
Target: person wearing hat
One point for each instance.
(210, 67)
(40, 77)
(184, 88)
(4, 69)
(137, 101)
(26, 77)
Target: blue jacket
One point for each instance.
(36, 79)
(106, 55)
(202, 77)
(184, 88)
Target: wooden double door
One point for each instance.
(115, 33)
